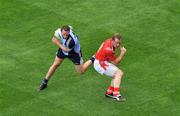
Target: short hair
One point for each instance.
(65, 28)
(116, 36)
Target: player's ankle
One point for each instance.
(45, 81)
(116, 94)
(109, 92)
(92, 59)
(116, 91)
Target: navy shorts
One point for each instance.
(76, 58)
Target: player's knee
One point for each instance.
(119, 73)
(80, 72)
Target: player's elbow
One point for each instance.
(115, 62)
(53, 40)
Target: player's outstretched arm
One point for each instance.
(56, 42)
(120, 57)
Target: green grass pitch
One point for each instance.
(151, 34)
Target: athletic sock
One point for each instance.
(92, 59)
(45, 81)
(116, 91)
(110, 90)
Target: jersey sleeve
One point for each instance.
(57, 33)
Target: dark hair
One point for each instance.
(116, 36)
(65, 28)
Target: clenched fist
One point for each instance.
(123, 50)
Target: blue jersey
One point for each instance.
(71, 42)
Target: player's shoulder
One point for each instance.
(108, 42)
(58, 30)
(57, 33)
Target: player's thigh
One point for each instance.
(60, 54)
(98, 67)
(76, 58)
(57, 61)
(59, 57)
(119, 73)
(78, 62)
(111, 70)
(79, 68)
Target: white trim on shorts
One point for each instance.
(81, 60)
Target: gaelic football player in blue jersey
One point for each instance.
(69, 47)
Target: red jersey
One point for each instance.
(106, 51)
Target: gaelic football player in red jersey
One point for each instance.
(105, 63)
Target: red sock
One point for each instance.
(110, 90)
(116, 91)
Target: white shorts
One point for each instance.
(108, 70)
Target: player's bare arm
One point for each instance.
(56, 42)
(120, 57)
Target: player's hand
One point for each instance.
(66, 49)
(123, 50)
